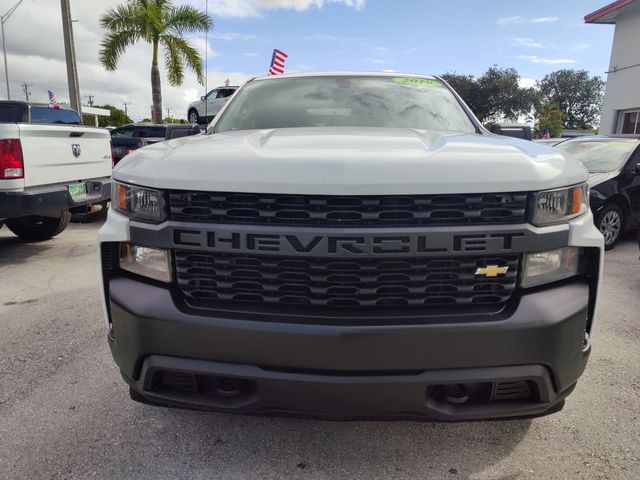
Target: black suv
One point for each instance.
(127, 138)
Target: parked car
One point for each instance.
(614, 177)
(203, 110)
(50, 167)
(128, 138)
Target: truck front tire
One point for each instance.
(36, 228)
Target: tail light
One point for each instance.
(128, 150)
(113, 156)
(11, 163)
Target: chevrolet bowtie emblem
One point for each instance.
(492, 270)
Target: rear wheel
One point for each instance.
(35, 228)
(610, 222)
(193, 116)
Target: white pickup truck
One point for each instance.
(50, 164)
(351, 245)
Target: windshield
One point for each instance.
(603, 155)
(343, 101)
(55, 115)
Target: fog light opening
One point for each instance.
(455, 394)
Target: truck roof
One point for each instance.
(33, 104)
(346, 74)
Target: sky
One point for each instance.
(411, 36)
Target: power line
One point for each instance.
(90, 101)
(25, 89)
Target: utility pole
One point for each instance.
(3, 19)
(70, 54)
(168, 113)
(25, 89)
(90, 101)
(125, 107)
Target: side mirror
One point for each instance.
(637, 170)
(202, 97)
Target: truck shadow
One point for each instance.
(324, 449)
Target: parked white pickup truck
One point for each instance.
(49, 164)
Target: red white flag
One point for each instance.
(277, 62)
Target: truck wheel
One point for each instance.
(193, 116)
(610, 222)
(90, 216)
(35, 228)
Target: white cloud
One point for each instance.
(256, 8)
(544, 20)
(505, 21)
(524, 42)
(250, 54)
(546, 61)
(527, 82)
(39, 60)
(580, 46)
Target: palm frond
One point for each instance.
(114, 45)
(187, 19)
(187, 55)
(121, 17)
(173, 61)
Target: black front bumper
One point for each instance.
(178, 358)
(51, 198)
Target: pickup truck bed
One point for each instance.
(49, 164)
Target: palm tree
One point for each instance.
(159, 23)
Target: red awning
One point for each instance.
(609, 13)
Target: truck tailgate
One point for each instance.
(56, 154)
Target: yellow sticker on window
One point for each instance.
(418, 82)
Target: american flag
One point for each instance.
(277, 62)
(52, 99)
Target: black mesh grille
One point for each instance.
(370, 210)
(241, 280)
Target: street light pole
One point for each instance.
(70, 54)
(3, 19)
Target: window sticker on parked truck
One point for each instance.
(418, 82)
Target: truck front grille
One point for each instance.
(348, 211)
(246, 282)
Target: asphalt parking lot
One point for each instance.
(65, 413)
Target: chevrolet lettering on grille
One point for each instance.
(370, 244)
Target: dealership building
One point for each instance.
(621, 108)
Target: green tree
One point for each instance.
(117, 118)
(161, 24)
(576, 93)
(495, 95)
(549, 117)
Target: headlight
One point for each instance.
(561, 205)
(140, 203)
(148, 262)
(551, 266)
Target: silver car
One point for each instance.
(203, 110)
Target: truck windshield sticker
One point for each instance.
(418, 82)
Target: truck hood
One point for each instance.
(349, 161)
